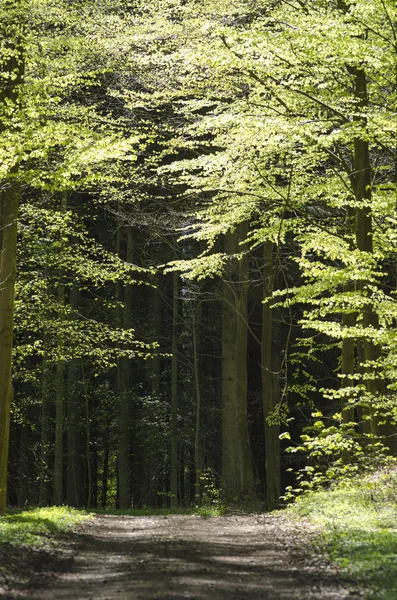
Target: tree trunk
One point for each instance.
(362, 182)
(23, 466)
(124, 483)
(152, 484)
(272, 429)
(88, 442)
(9, 199)
(198, 467)
(60, 389)
(94, 468)
(154, 364)
(45, 425)
(105, 471)
(13, 66)
(174, 392)
(348, 364)
(348, 343)
(73, 437)
(237, 471)
(59, 400)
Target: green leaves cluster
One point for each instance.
(194, 117)
(355, 526)
(280, 105)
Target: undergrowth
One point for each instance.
(204, 511)
(33, 527)
(357, 520)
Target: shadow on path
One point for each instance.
(147, 558)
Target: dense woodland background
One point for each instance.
(206, 247)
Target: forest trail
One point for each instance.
(159, 557)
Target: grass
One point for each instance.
(143, 512)
(357, 521)
(203, 511)
(33, 527)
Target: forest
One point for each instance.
(198, 241)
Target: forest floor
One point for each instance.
(235, 557)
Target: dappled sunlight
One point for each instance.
(187, 557)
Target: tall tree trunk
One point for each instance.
(105, 470)
(124, 481)
(348, 364)
(348, 343)
(237, 471)
(348, 368)
(94, 467)
(87, 440)
(272, 429)
(12, 68)
(59, 400)
(23, 466)
(9, 199)
(45, 427)
(151, 485)
(174, 391)
(198, 467)
(60, 389)
(362, 182)
(73, 437)
(154, 364)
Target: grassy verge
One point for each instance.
(203, 511)
(28, 543)
(143, 512)
(358, 529)
(33, 527)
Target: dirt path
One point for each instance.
(148, 558)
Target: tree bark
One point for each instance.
(73, 437)
(9, 199)
(59, 400)
(198, 467)
(105, 471)
(152, 484)
(362, 181)
(174, 392)
(58, 462)
(272, 429)
(45, 427)
(60, 389)
(23, 466)
(124, 483)
(348, 363)
(154, 364)
(88, 443)
(237, 470)
(349, 319)
(13, 69)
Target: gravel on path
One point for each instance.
(248, 557)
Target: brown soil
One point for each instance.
(146, 558)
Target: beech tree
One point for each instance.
(237, 474)
(12, 57)
(261, 136)
(301, 149)
(45, 145)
